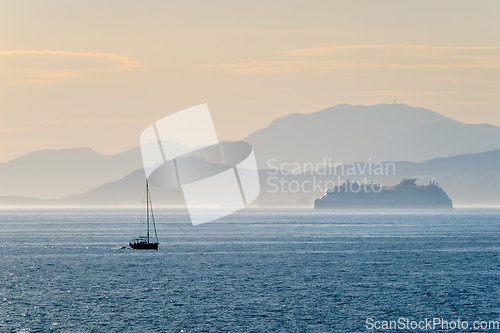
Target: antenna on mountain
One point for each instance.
(394, 101)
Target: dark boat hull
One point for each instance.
(144, 246)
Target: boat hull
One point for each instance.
(144, 246)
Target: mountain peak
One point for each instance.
(347, 133)
(55, 154)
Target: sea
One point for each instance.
(64, 270)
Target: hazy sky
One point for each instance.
(97, 73)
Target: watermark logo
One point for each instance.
(216, 178)
(431, 324)
(326, 176)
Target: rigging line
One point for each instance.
(153, 216)
(147, 205)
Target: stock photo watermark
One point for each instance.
(182, 151)
(278, 176)
(431, 324)
(328, 167)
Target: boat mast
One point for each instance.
(153, 218)
(147, 205)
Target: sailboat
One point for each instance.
(144, 242)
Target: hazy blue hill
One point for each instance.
(344, 133)
(130, 190)
(442, 140)
(58, 173)
(49, 174)
(470, 179)
(16, 201)
(347, 133)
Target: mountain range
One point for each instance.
(469, 180)
(428, 146)
(58, 173)
(384, 132)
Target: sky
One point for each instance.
(97, 73)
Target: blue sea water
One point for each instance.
(253, 271)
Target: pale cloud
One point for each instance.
(88, 121)
(126, 62)
(311, 65)
(420, 93)
(34, 81)
(335, 49)
(422, 57)
(460, 79)
(4, 129)
(48, 76)
(54, 75)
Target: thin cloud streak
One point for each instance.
(54, 75)
(419, 93)
(87, 121)
(35, 81)
(460, 79)
(332, 49)
(124, 60)
(4, 129)
(266, 67)
(428, 57)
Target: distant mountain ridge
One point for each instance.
(343, 134)
(384, 132)
(469, 180)
(58, 173)
(51, 174)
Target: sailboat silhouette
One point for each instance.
(144, 242)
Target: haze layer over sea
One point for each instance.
(253, 271)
